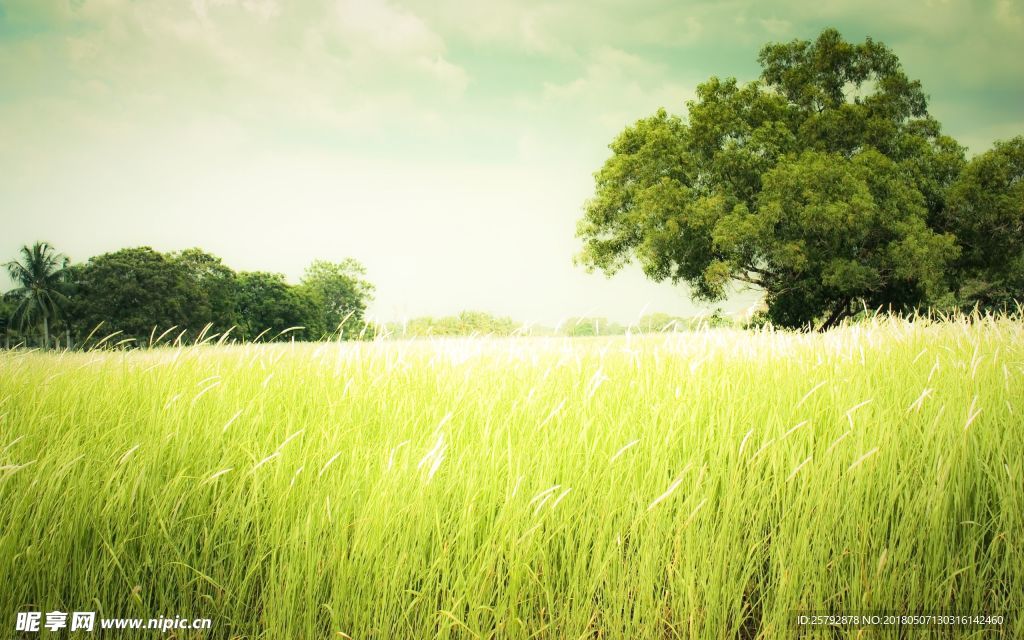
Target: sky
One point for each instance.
(447, 145)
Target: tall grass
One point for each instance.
(704, 485)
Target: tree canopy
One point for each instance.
(211, 290)
(268, 306)
(340, 292)
(825, 183)
(466, 323)
(986, 213)
(132, 291)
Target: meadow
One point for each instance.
(708, 484)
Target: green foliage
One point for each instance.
(591, 327)
(466, 323)
(6, 311)
(987, 215)
(824, 184)
(142, 293)
(134, 291)
(341, 292)
(659, 323)
(269, 306)
(837, 229)
(663, 322)
(476, 323)
(40, 294)
(211, 291)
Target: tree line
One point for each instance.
(825, 183)
(138, 296)
(479, 323)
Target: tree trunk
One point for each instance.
(46, 333)
(841, 311)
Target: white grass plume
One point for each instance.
(809, 394)
(219, 474)
(861, 459)
(554, 412)
(323, 469)
(433, 452)
(265, 461)
(798, 467)
(671, 488)
(623, 450)
(972, 413)
(231, 420)
(743, 443)
(391, 457)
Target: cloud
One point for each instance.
(253, 59)
(615, 88)
(775, 26)
(569, 28)
(384, 28)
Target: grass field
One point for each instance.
(704, 485)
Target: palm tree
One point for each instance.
(40, 296)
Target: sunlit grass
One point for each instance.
(704, 484)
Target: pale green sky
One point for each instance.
(447, 145)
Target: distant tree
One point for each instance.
(466, 323)
(211, 290)
(663, 322)
(41, 286)
(581, 327)
(6, 311)
(268, 305)
(341, 293)
(591, 327)
(986, 213)
(135, 291)
(483, 323)
(658, 322)
(717, 319)
(139, 293)
(821, 184)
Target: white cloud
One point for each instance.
(617, 87)
(776, 27)
(569, 30)
(353, 64)
(382, 28)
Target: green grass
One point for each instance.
(700, 485)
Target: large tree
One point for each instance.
(821, 183)
(40, 293)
